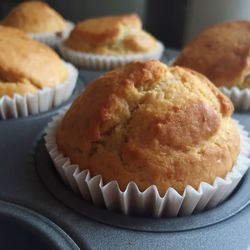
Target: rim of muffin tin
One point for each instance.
(37, 225)
(237, 201)
(78, 88)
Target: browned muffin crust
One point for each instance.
(35, 17)
(26, 65)
(222, 53)
(111, 35)
(151, 124)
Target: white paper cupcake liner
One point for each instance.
(106, 62)
(42, 100)
(149, 202)
(239, 97)
(53, 39)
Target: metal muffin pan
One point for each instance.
(36, 232)
(36, 205)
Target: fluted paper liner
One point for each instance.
(53, 39)
(41, 101)
(239, 97)
(149, 202)
(105, 62)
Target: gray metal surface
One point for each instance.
(23, 184)
(30, 230)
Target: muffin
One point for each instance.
(106, 42)
(29, 67)
(150, 138)
(221, 53)
(153, 125)
(39, 20)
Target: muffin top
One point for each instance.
(27, 65)
(221, 53)
(151, 124)
(35, 17)
(111, 35)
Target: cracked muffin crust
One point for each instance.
(221, 53)
(26, 65)
(35, 17)
(151, 124)
(111, 35)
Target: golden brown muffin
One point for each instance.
(221, 53)
(151, 124)
(27, 65)
(111, 35)
(35, 17)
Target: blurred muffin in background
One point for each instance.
(107, 42)
(30, 75)
(221, 53)
(39, 20)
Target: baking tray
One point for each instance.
(37, 211)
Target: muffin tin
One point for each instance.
(35, 205)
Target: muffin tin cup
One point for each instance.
(53, 39)
(106, 62)
(239, 97)
(43, 100)
(149, 202)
